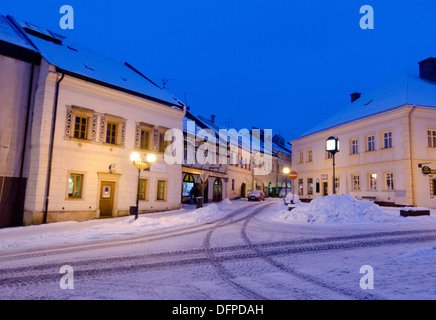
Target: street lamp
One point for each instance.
(137, 162)
(286, 171)
(332, 146)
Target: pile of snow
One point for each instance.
(73, 232)
(339, 209)
(291, 196)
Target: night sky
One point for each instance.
(277, 64)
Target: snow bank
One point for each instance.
(339, 209)
(73, 232)
(291, 196)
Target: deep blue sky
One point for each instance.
(277, 64)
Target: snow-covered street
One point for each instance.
(229, 250)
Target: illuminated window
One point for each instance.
(355, 179)
(372, 181)
(75, 184)
(161, 190)
(309, 186)
(142, 189)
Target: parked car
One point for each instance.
(256, 195)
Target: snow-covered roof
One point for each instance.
(79, 61)
(9, 34)
(406, 89)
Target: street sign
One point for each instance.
(293, 175)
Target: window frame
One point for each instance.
(370, 145)
(354, 146)
(143, 184)
(372, 181)
(390, 144)
(164, 197)
(354, 181)
(431, 137)
(392, 179)
(81, 191)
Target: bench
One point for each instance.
(368, 198)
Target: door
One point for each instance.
(243, 186)
(106, 199)
(325, 188)
(217, 190)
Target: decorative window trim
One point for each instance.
(139, 127)
(70, 119)
(121, 129)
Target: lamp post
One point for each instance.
(137, 162)
(332, 146)
(286, 171)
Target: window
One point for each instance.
(431, 138)
(309, 155)
(188, 184)
(233, 184)
(142, 189)
(370, 143)
(81, 127)
(337, 184)
(387, 140)
(372, 181)
(80, 123)
(300, 186)
(354, 146)
(111, 132)
(355, 179)
(75, 184)
(389, 180)
(328, 155)
(145, 139)
(161, 190)
(300, 157)
(309, 186)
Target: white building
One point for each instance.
(89, 113)
(386, 138)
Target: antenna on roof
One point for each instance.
(165, 81)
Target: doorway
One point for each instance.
(243, 188)
(217, 190)
(106, 199)
(325, 189)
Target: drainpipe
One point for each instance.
(21, 184)
(50, 159)
(411, 155)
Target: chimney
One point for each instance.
(355, 96)
(212, 118)
(427, 69)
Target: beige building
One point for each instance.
(90, 113)
(237, 176)
(386, 139)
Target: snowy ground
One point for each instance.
(228, 250)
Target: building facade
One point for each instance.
(89, 114)
(386, 139)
